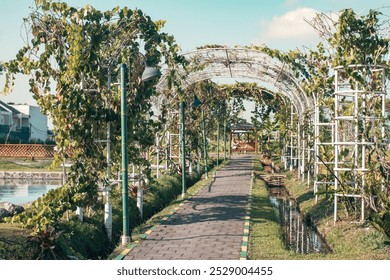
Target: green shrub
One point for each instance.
(84, 240)
(88, 239)
(14, 245)
(117, 215)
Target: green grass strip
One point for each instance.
(265, 239)
(165, 214)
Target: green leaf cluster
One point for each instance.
(71, 57)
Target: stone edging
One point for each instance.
(245, 237)
(31, 175)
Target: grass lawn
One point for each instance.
(11, 231)
(348, 240)
(265, 237)
(13, 242)
(14, 164)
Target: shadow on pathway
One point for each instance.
(210, 225)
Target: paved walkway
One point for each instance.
(210, 225)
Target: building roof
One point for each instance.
(8, 108)
(242, 127)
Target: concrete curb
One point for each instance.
(247, 219)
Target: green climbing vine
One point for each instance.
(357, 45)
(224, 103)
(70, 58)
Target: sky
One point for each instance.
(277, 23)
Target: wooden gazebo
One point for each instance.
(241, 140)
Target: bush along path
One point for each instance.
(72, 239)
(209, 225)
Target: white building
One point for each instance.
(37, 121)
(24, 121)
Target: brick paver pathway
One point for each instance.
(208, 226)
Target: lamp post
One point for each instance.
(148, 74)
(205, 145)
(183, 149)
(224, 140)
(1, 68)
(218, 144)
(107, 190)
(195, 103)
(125, 183)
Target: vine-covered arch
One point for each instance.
(242, 62)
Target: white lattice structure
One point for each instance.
(292, 151)
(323, 147)
(359, 109)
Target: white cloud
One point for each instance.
(290, 3)
(289, 30)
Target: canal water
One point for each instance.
(298, 235)
(22, 191)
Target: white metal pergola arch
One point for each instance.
(243, 63)
(278, 78)
(270, 73)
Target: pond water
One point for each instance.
(21, 191)
(298, 235)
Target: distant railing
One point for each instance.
(27, 150)
(244, 147)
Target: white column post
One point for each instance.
(157, 156)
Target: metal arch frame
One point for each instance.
(277, 77)
(244, 63)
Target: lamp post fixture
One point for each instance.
(2, 68)
(148, 74)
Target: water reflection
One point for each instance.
(21, 191)
(299, 236)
